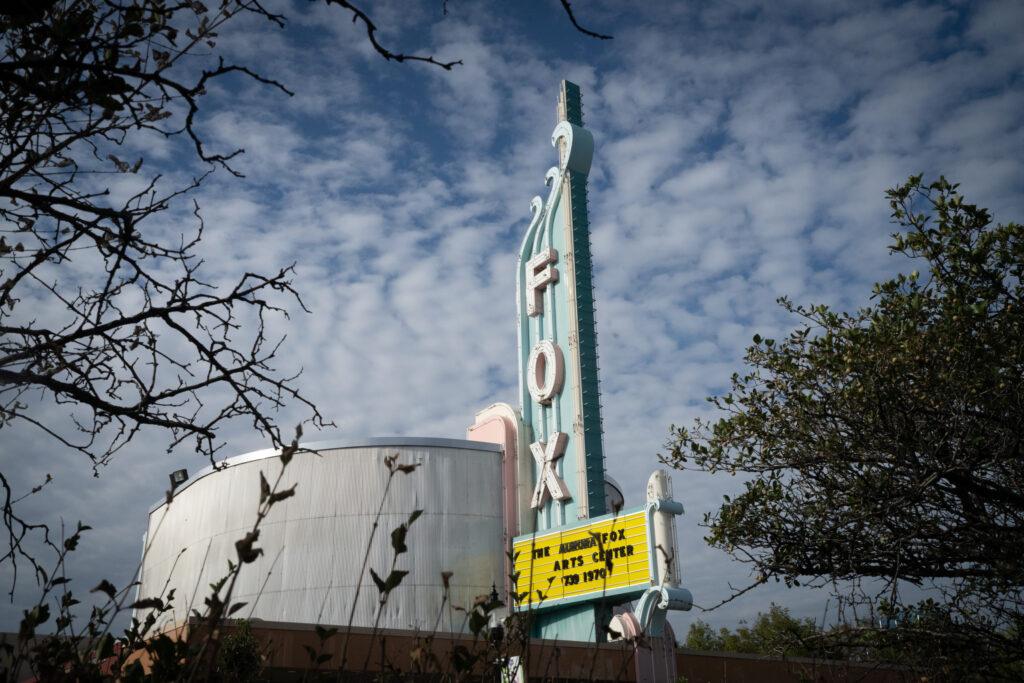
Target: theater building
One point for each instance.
(522, 507)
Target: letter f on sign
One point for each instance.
(539, 276)
(548, 482)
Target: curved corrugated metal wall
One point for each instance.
(313, 543)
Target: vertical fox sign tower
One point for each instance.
(558, 385)
(572, 559)
(558, 382)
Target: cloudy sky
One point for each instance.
(742, 153)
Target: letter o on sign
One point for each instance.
(545, 371)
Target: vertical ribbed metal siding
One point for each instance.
(314, 543)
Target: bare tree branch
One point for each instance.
(572, 17)
(371, 34)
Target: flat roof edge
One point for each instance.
(334, 444)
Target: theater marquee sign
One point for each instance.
(604, 557)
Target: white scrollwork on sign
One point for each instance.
(576, 158)
(579, 147)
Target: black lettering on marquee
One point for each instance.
(613, 536)
(573, 546)
(612, 553)
(568, 563)
(594, 539)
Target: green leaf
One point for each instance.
(288, 452)
(377, 580)
(398, 539)
(38, 615)
(71, 542)
(394, 579)
(325, 633)
(264, 488)
(387, 585)
(105, 586)
(147, 603)
(477, 622)
(282, 495)
(245, 550)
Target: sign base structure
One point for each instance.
(575, 622)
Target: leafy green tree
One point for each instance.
(883, 447)
(702, 637)
(775, 633)
(240, 659)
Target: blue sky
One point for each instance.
(742, 153)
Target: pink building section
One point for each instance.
(500, 423)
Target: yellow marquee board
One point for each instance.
(608, 555)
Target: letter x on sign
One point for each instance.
(548, 481)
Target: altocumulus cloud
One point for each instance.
(742, 154)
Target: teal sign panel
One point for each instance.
(558, 377)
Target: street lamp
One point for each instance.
(178, 477)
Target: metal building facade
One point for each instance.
(314, 542)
